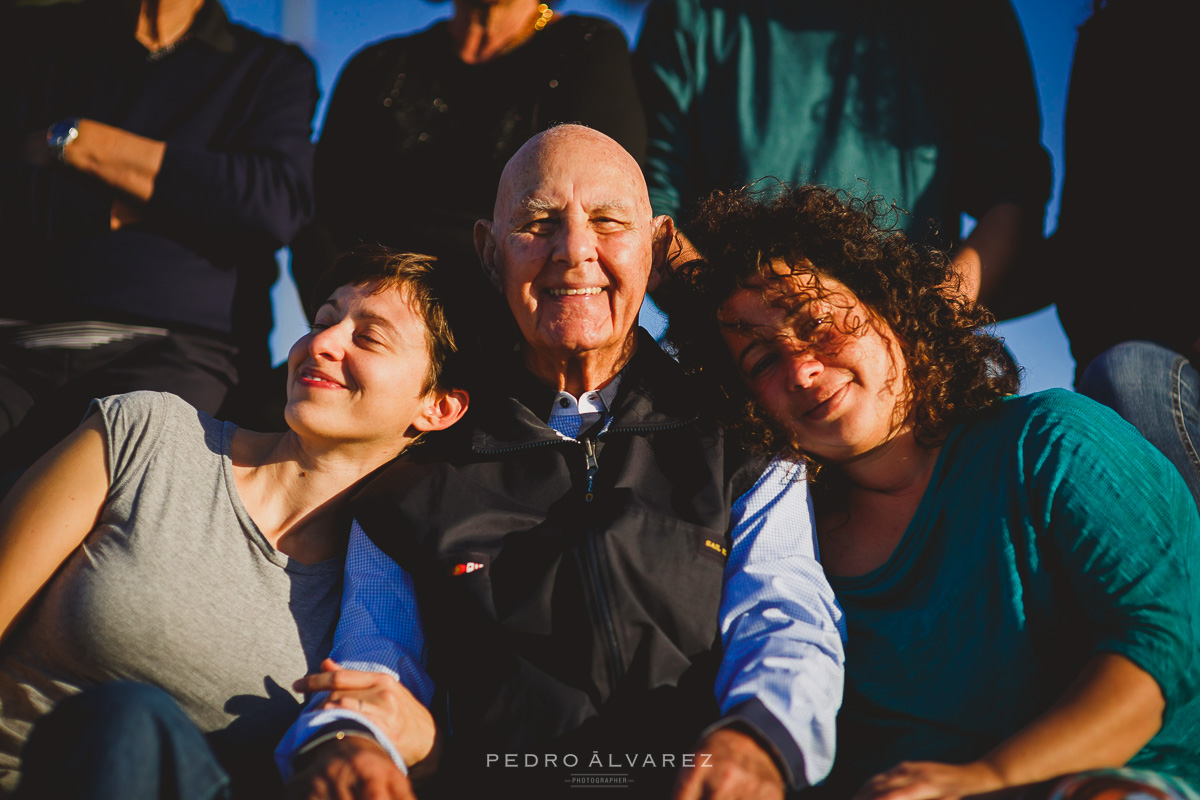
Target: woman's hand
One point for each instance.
(382, 699)
(928, 780)
(1109, 713)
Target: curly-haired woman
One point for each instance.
(1020, 575)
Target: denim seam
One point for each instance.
(1177, 412)
(220, 789)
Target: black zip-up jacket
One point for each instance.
(569, 588)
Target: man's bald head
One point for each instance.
(573, 244)
(545, 151)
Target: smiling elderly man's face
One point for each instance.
(572, 244)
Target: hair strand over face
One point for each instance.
(955, 367)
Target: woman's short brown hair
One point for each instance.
(418, 281)
(955, 367)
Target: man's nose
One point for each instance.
(576, 242)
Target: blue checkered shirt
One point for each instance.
(781, 628)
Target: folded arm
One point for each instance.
(1107, 715)
(260, 183)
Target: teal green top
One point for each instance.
(1050, 531)
(927, 103)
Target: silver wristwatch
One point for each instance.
(61, 134)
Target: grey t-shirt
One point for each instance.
(174, 587)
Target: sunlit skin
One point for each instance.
(820, 362)
(832, 372)
(485, 29)
(573, 248)
(359, 375)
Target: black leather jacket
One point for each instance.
(569, 588)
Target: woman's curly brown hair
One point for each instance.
(955, 367)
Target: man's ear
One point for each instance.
(485, 246)
(443, 410)
(660, 248)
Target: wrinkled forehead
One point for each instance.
(564, 167)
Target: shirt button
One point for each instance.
(564, 402)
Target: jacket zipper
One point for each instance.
(589, 452)
(592, 556)
(592, 553)
(613, 651)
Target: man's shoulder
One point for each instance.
(654, 383)
(426, 43)
(247, 39)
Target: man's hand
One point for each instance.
(353, 768)
(125, 212)
(738, 769)
(381, 698)
(926, 780)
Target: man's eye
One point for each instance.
(367, 338)
(607, 224)
(317, 327)
(539, 226)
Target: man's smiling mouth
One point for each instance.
(575, 292)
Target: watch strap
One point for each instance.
(61, 134)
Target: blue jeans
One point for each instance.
(1158, 391)
(120, 741)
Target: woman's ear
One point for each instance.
(443, 410)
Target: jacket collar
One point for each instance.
(653, 395)
(212, 27)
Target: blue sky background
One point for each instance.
(332, 30)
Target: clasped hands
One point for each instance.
(357, 767)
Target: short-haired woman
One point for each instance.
(160, 546)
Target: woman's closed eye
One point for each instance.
(758, 366)
(370, 337)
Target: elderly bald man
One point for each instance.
(582, 545)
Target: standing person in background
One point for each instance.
(930, 103)
(420, 127)
(1135, 348)
(152, 159)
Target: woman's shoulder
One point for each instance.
(1062, 436)
(1052, 411)
(583, 30)
(432, 40)
(145, 406)
(137, 424)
